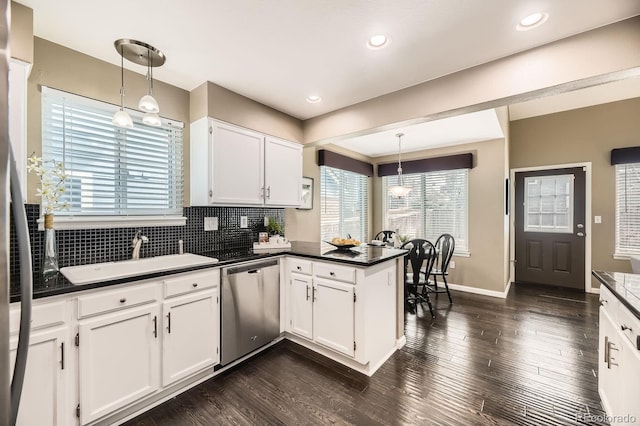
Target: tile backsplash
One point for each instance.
(82, 246)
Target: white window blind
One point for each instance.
(112, 171)
(437, 204)
(344, 204)
(627, 209)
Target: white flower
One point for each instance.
(51, 183)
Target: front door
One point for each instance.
(549, 227)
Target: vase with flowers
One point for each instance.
(52, 177)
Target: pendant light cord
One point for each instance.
(121, 78)
(399, 135)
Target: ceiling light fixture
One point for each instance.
(142, 53)
(532, 21)
(399, 190)
(313, 99)
(377, 41)
(121, 118)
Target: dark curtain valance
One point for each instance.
(339, 161)
(625, 155)
(450, 162)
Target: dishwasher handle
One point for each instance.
(251, 268)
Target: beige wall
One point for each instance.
(21, 37)
(583, 135)
(601, 54)
(215, 101)
(65, 69)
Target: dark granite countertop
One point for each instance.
(626, 287)
(358, 256)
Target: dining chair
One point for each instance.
(420, 257)
(385, 236)
(445, 244)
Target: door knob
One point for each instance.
(580, 226)
(580, 234)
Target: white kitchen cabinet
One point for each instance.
(301, 305)
(119, 359)
(234, 166)
(333, 315)
(618, 359)
(344, 312)
(49, 370)
(191, 326)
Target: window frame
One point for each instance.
(624, 252)
(173, 216)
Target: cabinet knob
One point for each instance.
(123, 300)
(195, 284)
(298, 268)
(625, 327)
(333, 274)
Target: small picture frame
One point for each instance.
(306, 195)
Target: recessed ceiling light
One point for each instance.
(377, 41)
(313, 99)
(532, 21)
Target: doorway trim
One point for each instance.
(512, 235)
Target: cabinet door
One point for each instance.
(333, 315)
(236, 165)
(608, 362)
(119, 360)
(629, 383)
(44, 394)
(282, 172)
(301, 305)
(191, 341)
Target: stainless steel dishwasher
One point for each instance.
(250, 307)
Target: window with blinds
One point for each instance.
(112, 171)
(437, 204)
(344, 204)
(627, 209)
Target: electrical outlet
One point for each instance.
(452, 264)
(244, 222)
(210, 223)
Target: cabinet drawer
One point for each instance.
(301, 266)
(114, 300)
(335, 272)
(609, 302)
(192, 281)
(45, 315)
(630, 326)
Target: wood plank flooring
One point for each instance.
(529, 359)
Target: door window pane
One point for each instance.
(548, 203)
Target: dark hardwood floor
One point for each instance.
(529, 359)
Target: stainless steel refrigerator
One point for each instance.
(11, 197)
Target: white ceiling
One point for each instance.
(278, 52)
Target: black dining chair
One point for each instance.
(385, 236)
(420, 257)
(445, 244)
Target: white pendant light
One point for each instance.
(121, 118)
(147, 102)
(152, 119)
(399, 190)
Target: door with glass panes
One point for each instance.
(550, 227)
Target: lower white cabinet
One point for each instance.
(301, 305)
(119, 360)
(333, 315)
(44, 394)
(618, 360)
(190, 334)
(50, 369)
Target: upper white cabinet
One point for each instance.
(234, 166)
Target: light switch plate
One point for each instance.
(452, 264)
(244, 222)
(210, 223)
(597, 219)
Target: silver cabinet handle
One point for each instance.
(625, 327)
(269, 191)
(314, 295)
(155, 326)
(123, 300)
(307, 292)
(169, 322)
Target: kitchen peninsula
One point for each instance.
(341, 304)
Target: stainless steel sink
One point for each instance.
(107, 271)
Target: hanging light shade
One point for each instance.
(142, 53)
(147, 102)
(121, 118)
(399, 190)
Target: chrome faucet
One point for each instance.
(136, 243)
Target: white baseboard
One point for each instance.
(481, 291)
(401, 342)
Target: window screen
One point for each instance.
(627, 209)
(343, 203)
